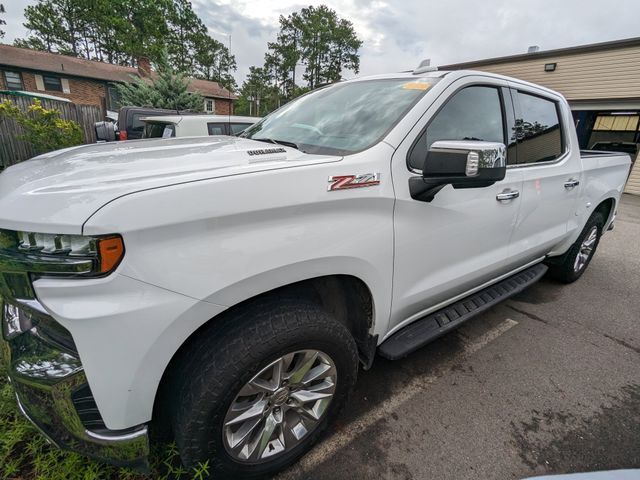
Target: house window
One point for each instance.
(13, 80)
(52, 84)
(113, 97)
(209, 106)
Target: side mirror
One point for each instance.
(462, 164)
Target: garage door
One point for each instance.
(633, 184)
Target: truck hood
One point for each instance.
(57, 192)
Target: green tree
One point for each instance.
(328, 45)
(2, 21)
(258, 96)
(169, 89)
(142, 27)
(185, 32)
(118, 31)
(31, 42)
(42, 128)
(123, 31)
(59, 25)
(213, 61)
(284, 54)
(322, 42)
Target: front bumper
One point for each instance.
(53, 393)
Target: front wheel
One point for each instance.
(259, 390)
(571, 265)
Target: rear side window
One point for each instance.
(538, 129)
(237, 128)
(159, 130)
(216, 128)
(474, 113)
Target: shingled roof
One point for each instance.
(78, 67)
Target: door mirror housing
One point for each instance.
(462, 164)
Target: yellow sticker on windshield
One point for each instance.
(416, 86)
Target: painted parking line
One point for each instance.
(416, 386)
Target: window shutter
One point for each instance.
(65, 85)
(39, 82)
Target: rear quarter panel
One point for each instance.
(603, 177)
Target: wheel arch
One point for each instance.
(607, 207)
(346, 297)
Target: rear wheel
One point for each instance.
(259, 390)
(572, 264)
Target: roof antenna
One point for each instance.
(229, 89)
(424, 67)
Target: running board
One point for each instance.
(436, 324)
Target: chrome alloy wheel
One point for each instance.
(279, 406)
(586, 249)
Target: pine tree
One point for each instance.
(2, 21)
(168, 89)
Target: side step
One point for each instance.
(428, 328)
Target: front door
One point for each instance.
(460, 239)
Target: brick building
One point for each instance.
(88, 82)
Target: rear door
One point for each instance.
(459, 240)
(551, 173)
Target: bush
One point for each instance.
(43, 129)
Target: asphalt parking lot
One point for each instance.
(547, 382)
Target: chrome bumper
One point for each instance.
(46, 380)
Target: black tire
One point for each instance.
(564, 268)
(229, 354)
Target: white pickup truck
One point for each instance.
(226, 290)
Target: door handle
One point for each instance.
(507, 195)
(571, 184)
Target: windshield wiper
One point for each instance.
(279, 142)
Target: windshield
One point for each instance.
(344, 118)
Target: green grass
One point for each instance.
(25, 455)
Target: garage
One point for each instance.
(601, 81)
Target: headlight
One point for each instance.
(50, 254)
(57, 244)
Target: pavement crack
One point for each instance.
(623, 343)
(532, 316)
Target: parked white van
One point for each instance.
(169, 126)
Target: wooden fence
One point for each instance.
(13, 150)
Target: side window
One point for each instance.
(474, 113)
(159, 130)
(538, 129)
(216, 128)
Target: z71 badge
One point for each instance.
(342, 182)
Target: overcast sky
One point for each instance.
(398, 34)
